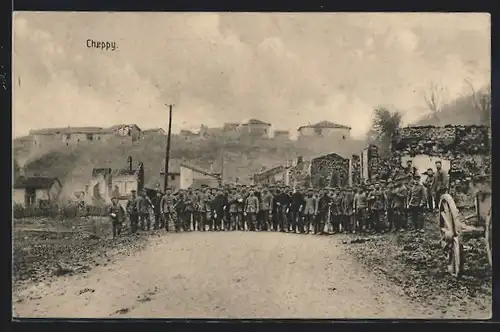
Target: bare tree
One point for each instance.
(481, 101)
(434, 98)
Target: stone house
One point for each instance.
(36, 191)
(231, 127)
(282, 135)
(51, 137)
(126, 130)
(255, 128)
(107, 183)
(276, 175)
(325, 130)
(183, 175)
(154, 131)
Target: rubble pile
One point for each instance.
(416, 262)
(356, 169)
(329, 171)
(39, 253)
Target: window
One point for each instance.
(90, 137)
(172, 177)
(343, 136)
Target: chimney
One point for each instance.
(129, 163)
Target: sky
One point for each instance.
(288, 69)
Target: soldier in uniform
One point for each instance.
(416, 203)
(167, 209)
(400, 195)
(359, 207)
(310, 210)
(377, 208)
(346, 210)
(240, 209)
(323, 207)
(266, 208)
(440, 182)
(281, 204)
(218, 204)
(116, 214)
(157, 210)
(190, 200)
(251, 210)
(142, 210)
(180, 210)
(200, 213)
(296, 207)
(336, 209)
(133, 212)
(428, 188)
(232, 223)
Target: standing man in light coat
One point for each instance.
(440, 182)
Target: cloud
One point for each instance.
(287, 69)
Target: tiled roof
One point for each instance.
(35, 182)
(256, 122)
(152, 130)
(325, 124)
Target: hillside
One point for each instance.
(242, 158)
(457, 112)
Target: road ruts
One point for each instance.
(224, 275)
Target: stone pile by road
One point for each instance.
(416, 262)
(41, 255)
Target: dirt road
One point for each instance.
(224, 275)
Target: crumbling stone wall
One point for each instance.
(441, 140)
(355, 169)
(329, 171)
(374, 165)
(467, 148)
(299, 175)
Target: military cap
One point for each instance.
(416, 177)
(133, 191)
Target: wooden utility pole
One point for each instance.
(167, 152)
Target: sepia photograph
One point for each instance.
(237, 165)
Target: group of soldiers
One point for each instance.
(378, 206)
